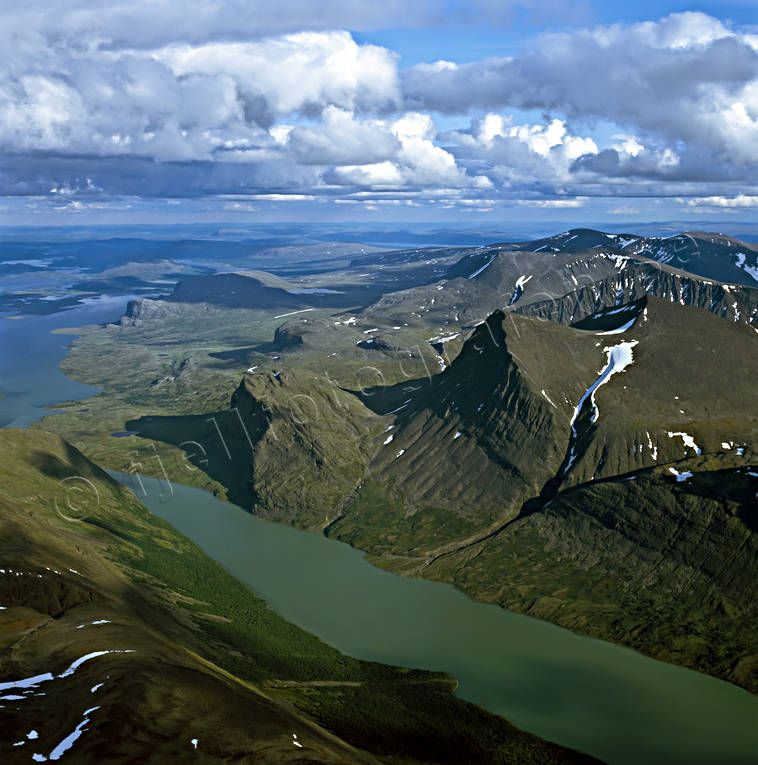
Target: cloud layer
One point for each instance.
(210, 99)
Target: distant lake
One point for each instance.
(30, 380)
(591, 695)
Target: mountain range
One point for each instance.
(566, 427)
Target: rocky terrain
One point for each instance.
(505, 404)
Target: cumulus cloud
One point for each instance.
(415, 161)
(685, 78)
(304, 71)
(183, 103)
(210, 98)
(520, 157)
(340, 139)
(741, 200)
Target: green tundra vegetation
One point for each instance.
(205, 653)
(436, 428)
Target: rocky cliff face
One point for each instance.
(564, 287)
(589, 413)
(713, 256)
(635, 278)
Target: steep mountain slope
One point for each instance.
(560, 286)
(665, 566)
(707, 254)
(691, 387)
(514, 411)
(499, 415)
(714, 256)
(529, 409)
(122, 642)
(429, 437)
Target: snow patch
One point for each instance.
(518, 289)
(402, 406)
(680, 476)
(486, 265)
(619, 358)
(444, 339)
(99, 621)
(689, 441)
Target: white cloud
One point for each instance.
(628, 144)
(740, 200)
(684, 79)
(519, 156)
(377, 174)
(413, 157)
(540, 138)
(209, 98)
(579, 202)
(340, 139)
(295, 72)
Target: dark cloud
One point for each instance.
(102, 177)
(209, 97)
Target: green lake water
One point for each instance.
(588, 694)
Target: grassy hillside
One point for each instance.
(418, 433)
(666, 567)
(191, 653)
(482, 484)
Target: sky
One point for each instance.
(354, 110)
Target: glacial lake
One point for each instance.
(594, 696)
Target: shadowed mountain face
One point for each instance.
(106, 641)
(122, 642)
(428, 473)
(520, 419)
